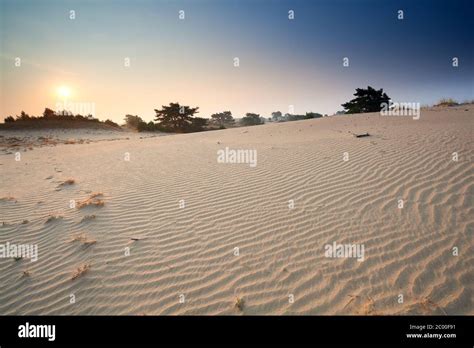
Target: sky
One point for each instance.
(290, 65)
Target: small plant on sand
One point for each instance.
(88, 218)
(364, 308)
(239, 303)
(426, 306)
(79, 238)
(68, 182)
(447, 102)
(83, 239)
(93, 200)
(80, 271)
(89, 242)
(52, 218)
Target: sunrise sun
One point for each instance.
(64, 91)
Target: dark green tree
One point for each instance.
(312, 115)
(366, 100)
(197, 124)
(276, 116)
(222, 119)
(251, 119)
(133, 122)
(175, 117)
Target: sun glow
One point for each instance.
(64, 91)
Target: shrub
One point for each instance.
(251, 120)
(447, 102)
(366, 100)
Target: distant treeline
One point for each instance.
(50, 118)
(176, 118)
(172, 118)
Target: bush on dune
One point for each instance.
(251, 119)
(447, 102)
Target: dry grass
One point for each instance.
(366, 308)
(80, 271)
(26, 273)
(7, 199)
(369, 307)
(426, 306)
(83, 239)
(88, 218)
(68, 182)
(239, 303)
(53, 218)
(93, 200)
(447, 102)
(79, 238)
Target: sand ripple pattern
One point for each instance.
(185, 262)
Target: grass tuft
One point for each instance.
(447, 102)
(239, 303)
(81, 270)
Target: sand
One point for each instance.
(173, 231)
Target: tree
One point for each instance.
(312, 115)
(48, 113)
(23, 116)
(9, 119)
(175, 117)
(251, 119)
(367, 100)
(111, 123)
(276, 116)
(222, 119)
(133, 121)
(197, 124)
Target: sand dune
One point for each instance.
(281, 267)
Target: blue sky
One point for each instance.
(282, 62)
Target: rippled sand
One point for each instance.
(138, 251)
